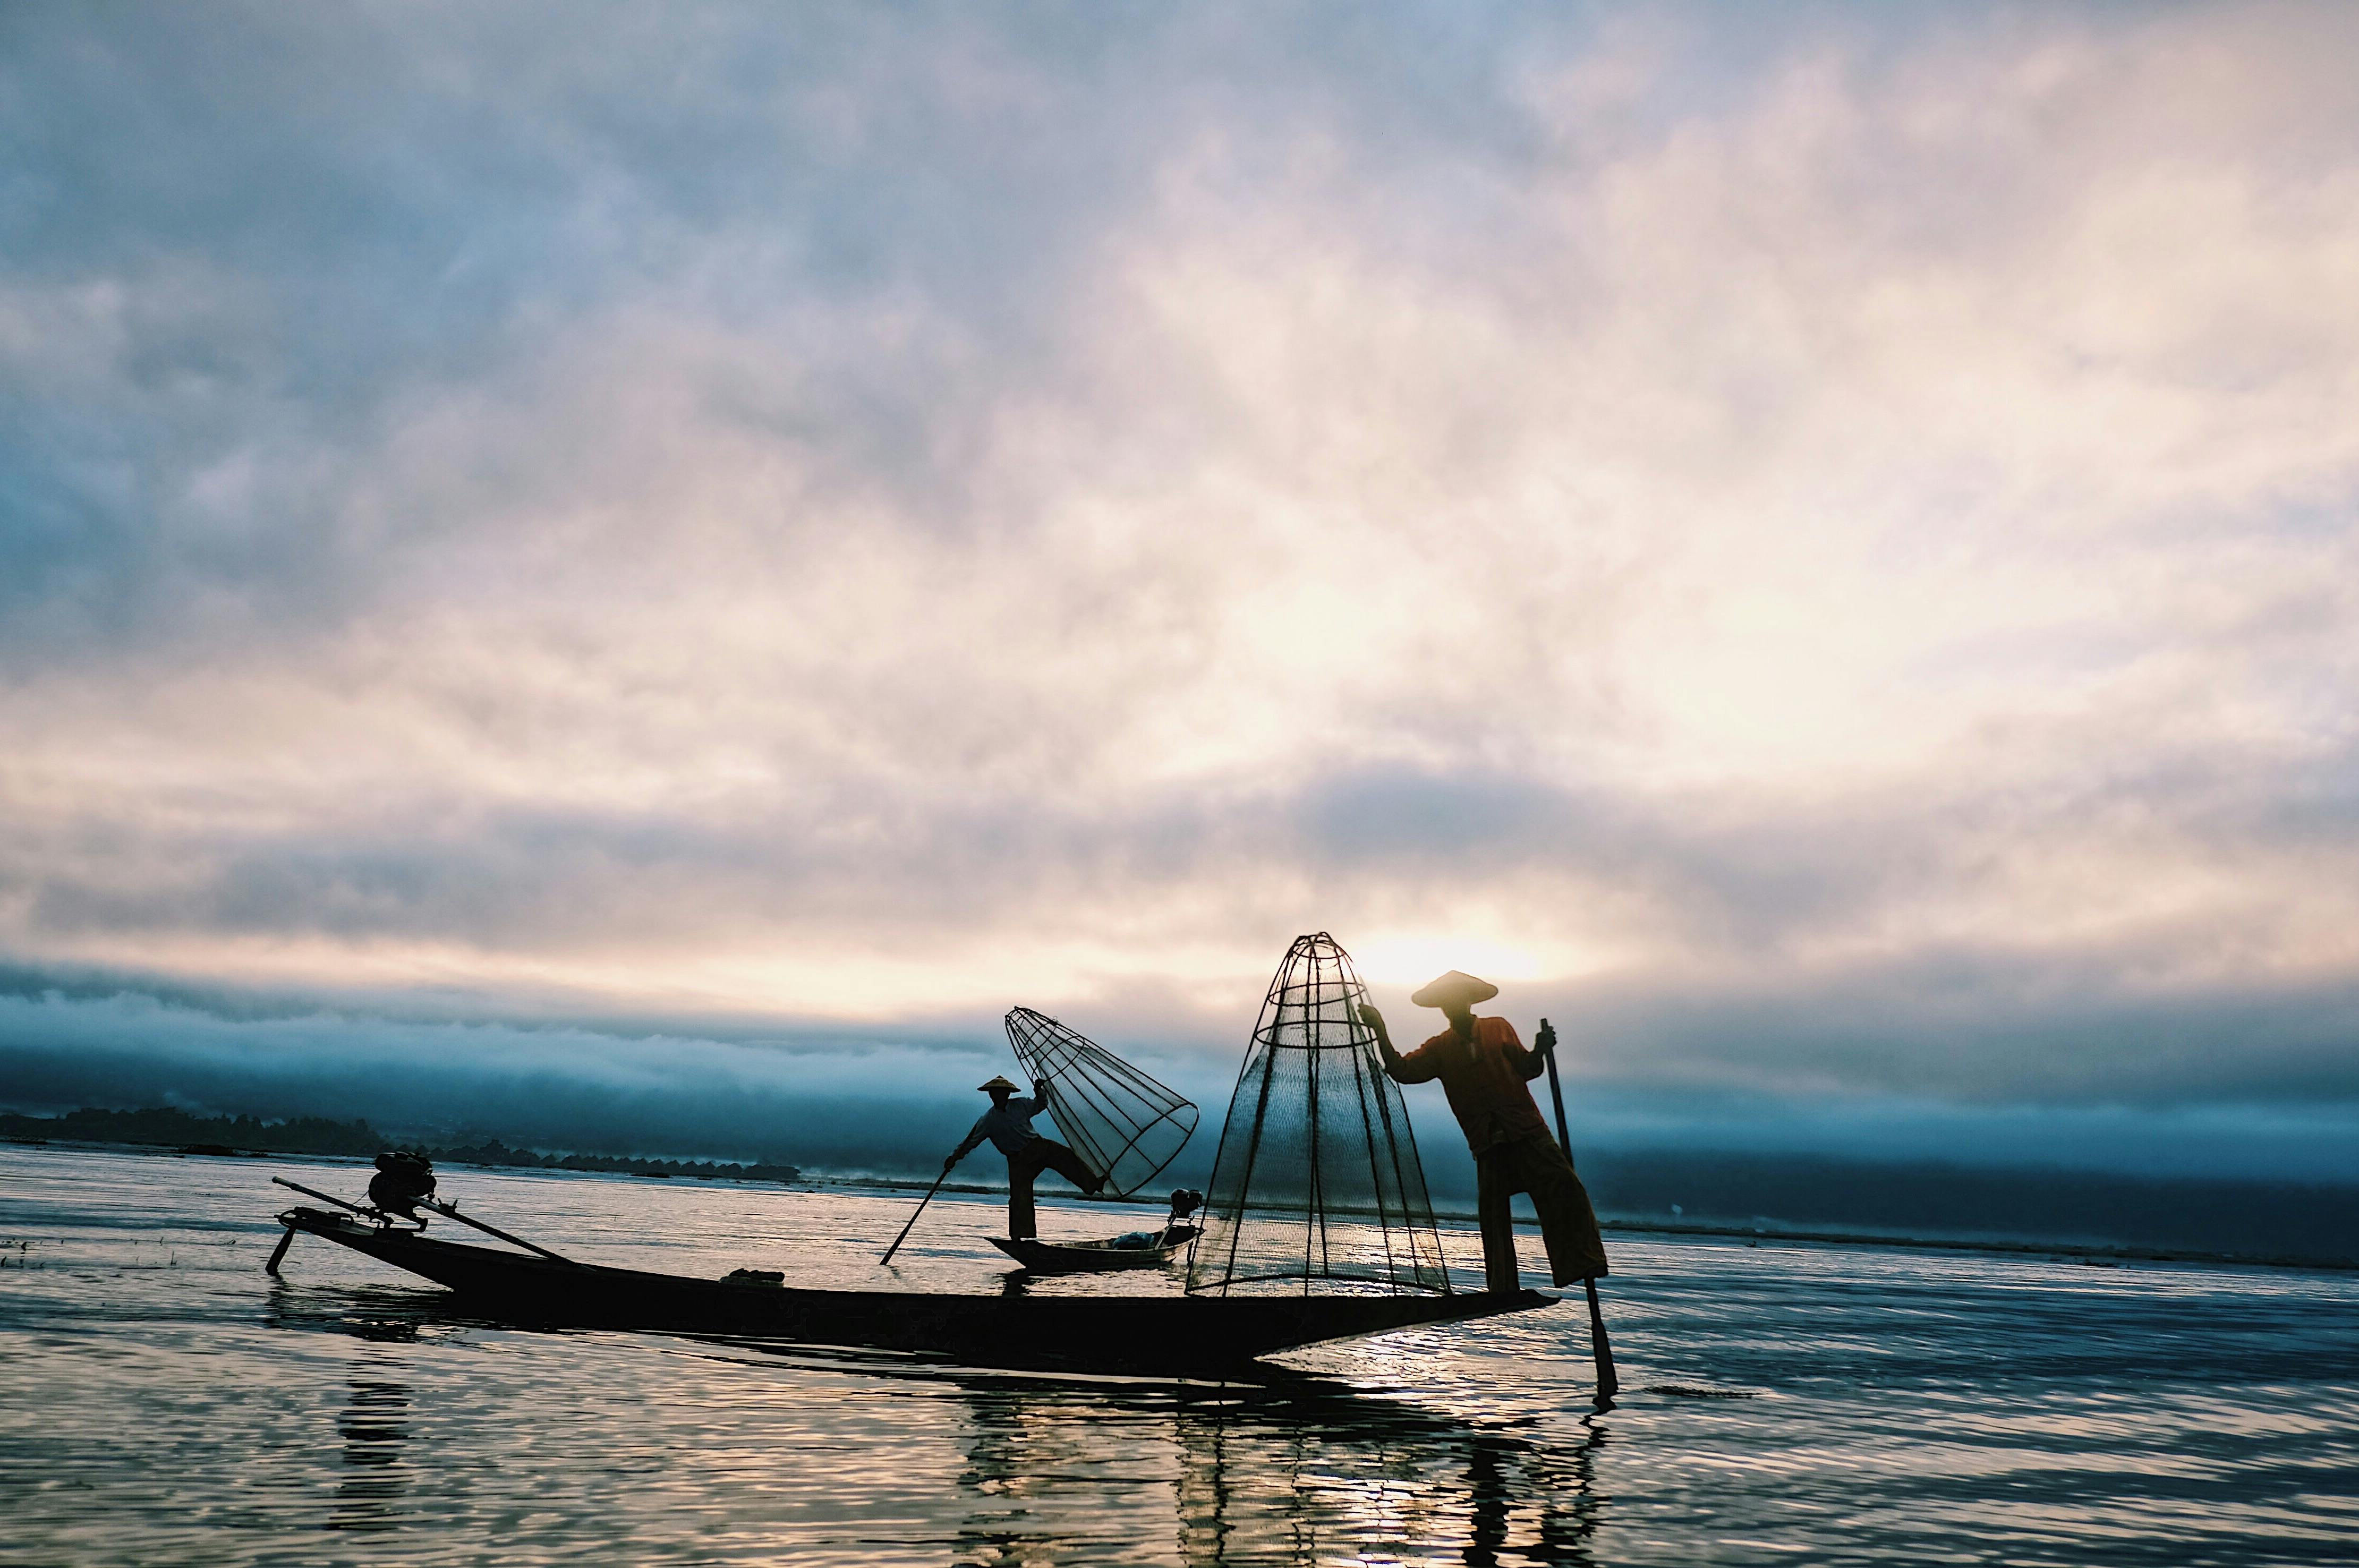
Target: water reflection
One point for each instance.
(1293, 1470)
(1541, 1502)
(380, 1315)
(1913, 1407)
(375, 1425)
(1289, 1467)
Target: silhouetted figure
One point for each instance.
(1008, 1125)
(1484, 1068)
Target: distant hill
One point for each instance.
(166, 1127)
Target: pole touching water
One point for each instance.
(914, 1213)
(1608, 1383)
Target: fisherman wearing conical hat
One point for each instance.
(1484, 1068)
(1008, 1125)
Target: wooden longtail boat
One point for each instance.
(1139, 1335)
(1095, 1257)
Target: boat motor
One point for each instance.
(403, 1180)
(1184, 1202)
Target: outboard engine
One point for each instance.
(401, 1179)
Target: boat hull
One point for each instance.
(1088, 1257)
(1139, 1335)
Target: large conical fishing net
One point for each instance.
(1123, 1123)
(1317, 1176)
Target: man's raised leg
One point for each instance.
(1069, 1165)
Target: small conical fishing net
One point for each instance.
(1317, 1176)
(1123, 1123)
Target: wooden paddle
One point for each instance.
(914, 1213)
(1608, 1383)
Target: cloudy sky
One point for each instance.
(706, 550)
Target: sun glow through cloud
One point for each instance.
(1411, 961)
(1828, 550)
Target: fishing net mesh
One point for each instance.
(1317, 1178)
(1124, 1125)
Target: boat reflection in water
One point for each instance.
(1286, 1467)
(1293, 1469)
(374, 1426)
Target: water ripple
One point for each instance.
(167, 1401)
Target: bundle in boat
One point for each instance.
(1317, 1178)
(1124, 1125)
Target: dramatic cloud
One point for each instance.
(1819, 547)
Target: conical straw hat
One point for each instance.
(1455, 986)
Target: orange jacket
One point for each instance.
(1485, 1082)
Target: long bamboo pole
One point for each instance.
(1608, 1383)
(914, 1213)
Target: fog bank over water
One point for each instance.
(873, 1100)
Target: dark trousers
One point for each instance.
(1040, 1154)
(1568, 1224)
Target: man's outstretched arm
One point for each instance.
(962, 1151)
(1414, 1068)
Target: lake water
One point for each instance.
(162, 1400)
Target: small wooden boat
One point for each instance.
(1141, 1335)
(1092, 1257)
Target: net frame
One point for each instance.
(1124, 1125)
(1313, 1011)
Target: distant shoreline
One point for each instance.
(2095, 1254)
(168, 1127)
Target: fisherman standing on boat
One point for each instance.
(1484, 1068)
(1008, 1125)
